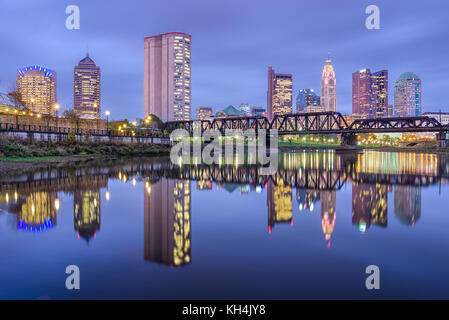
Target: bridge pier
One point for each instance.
(442, 140)
(349, 139)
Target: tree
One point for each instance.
(72, 115)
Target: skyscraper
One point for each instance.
(307, 101)
(279, 94)
(328, 87)
(86, 89)
(407, 95)
(37, 86)
(167, 72)
(370, 94)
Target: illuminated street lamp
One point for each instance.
(57, 107)
(107, 113)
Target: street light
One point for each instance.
(107, 113)
(57, 107)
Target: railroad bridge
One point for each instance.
(317, 123)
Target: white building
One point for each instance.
(328, 87)
(167, 76)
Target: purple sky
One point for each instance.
(233, 42)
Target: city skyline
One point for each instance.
(345, 35)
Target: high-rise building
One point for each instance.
(379, 83)
(37, 87)
(257, 111)
(86, 89)
(203, 113)
(167, 72)
(369, 205)
(279, 94)
(407, 95)
(370, 94)
(328, 87)
(307, 101)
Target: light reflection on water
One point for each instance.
(193, 212)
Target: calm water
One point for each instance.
(148, 229)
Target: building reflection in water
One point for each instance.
(307, 199)
(407, 204)
(369, 205)
(167, 222)
(328, 214)
(35, 211)
(279, 202)
(87, 213)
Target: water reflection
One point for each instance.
(167, 223)
(313, 177)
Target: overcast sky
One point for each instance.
(233, 43)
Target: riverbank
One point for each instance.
(19, 153)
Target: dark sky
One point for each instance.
(233, 42)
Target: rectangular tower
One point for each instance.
(279, 94)
(167, 76)
(86, 89)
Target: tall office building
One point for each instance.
(407, 95)
(279, 94)
(307, 101)
(369, 204)
(370, 94)
(328, 87)
(167, 72)
(37, 86)
(203, 113)
(86, 89)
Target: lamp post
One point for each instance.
(57, 107)
(107, 113)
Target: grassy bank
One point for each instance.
(17, 149)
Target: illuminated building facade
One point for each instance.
(407, 95)
(257, 111)
(279, 94)
(203, 113)
(37, 86)
(167, 222)
(167, 76)
(369, 205)
(86, 89)
(370, 94)
(87, 213)
(279, 202)
(307, 199)
(407, 204)
(328, 87)
(307, 100)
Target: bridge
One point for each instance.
(317, 123)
